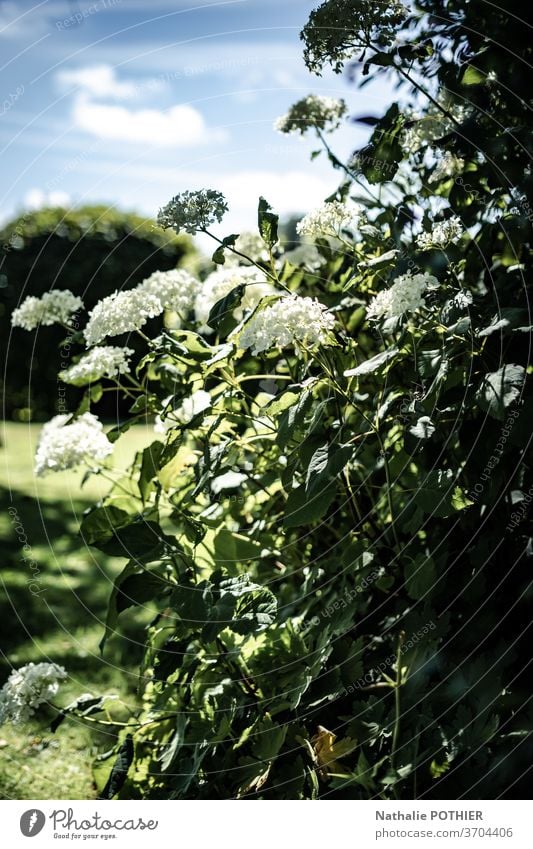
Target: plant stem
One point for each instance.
(339, 164)
(261, 268)
(426, 93)
(397, 703)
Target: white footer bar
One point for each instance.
(266, 825)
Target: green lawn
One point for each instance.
(54, 604)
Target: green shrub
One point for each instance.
(332, 527)
(91, 250)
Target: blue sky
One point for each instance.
(129, 102)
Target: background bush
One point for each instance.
(91, 250)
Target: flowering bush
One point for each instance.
(322, 521)
(89, 250)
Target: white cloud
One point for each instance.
(36, 198)
(98, 81)
(179, 126)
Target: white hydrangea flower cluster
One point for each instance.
(434, 125)
(176, 289)
(193, 211)
(101, 361)
(121, 312)
(313, 111)
(404, 296)
(291, 321)
(220, 283)
(330, 219)
(27, 688)
(188, 409)
(442, 234)
(124, 312)
(64, 446)
(449, 165)
(55, 307)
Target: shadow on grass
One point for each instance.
(55, 600)
(54, 585)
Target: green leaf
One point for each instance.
(302, 508)
(266, 738)
(293, 419)
(150, 464)
(499, 389)
(142, 541)
(325, 464)
(439, 495)
(254, 612)
(119, 773)
(380, 261)
(373, 364)
(172, 749)
(473, 76)
(117, 431)
(193, 602)
(132, 587)
(219, 257)
(193, 347)
(84, 705)
(382, 59)
(420, 576)
(380, 158)
(231, 548)
(281, 403)
(221, 314)
(240, 605)
(99, 525)
(267, 222)
(96, 392)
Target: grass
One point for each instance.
(56, 598)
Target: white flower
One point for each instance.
(193, 211)
(463, 299)
(434, 124)
(449, 166)
(64, 446)
(305, 254)
(27, 688)
(193, 405)
(442, 234)
(313, 111)
(121, 312)
(329, 220)
(51, 308)
(405, 295)
(101, 361)
(188, 409)
(291, 320)
(176, 289)
(221, 282)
